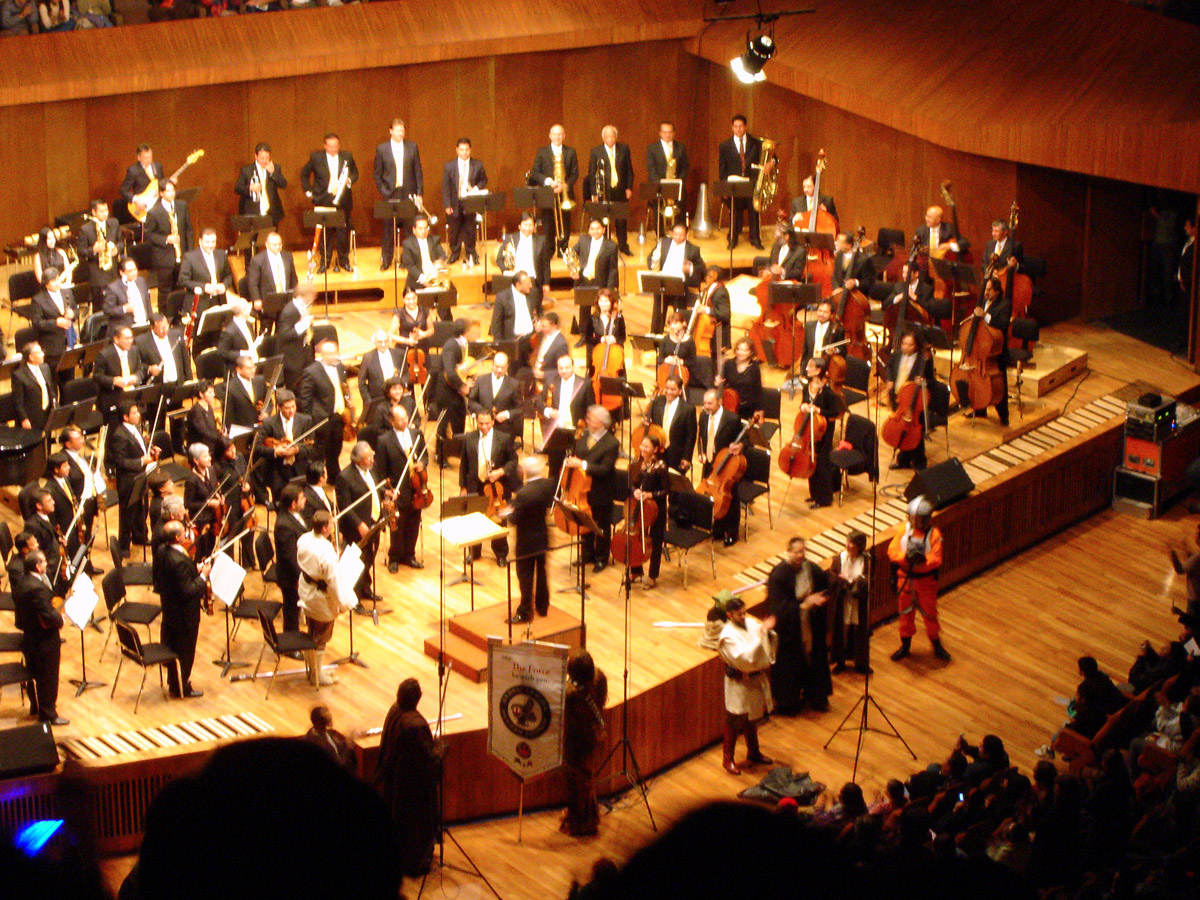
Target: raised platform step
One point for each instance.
(462, 656)
(1053, 366)
(467, 636)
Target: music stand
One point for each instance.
(482, 204)
(443, 298)
(657, 192)
(958, 275)
(662, 286)
(250, 230)
(734, 191)
(188, 196)
(213, 321)
(273, 304)
(62, 416)
(326, 218)
(456, 510)
(607, 211)
(585, 525)
(66, 363)
(646, 343)
(396, 211)
(798, 296)
(539, 197)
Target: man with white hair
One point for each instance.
(378, 367)
(354, 482)
(201, 497)
(238, 337)
(527, 514)
(596, 455)
(916, 554)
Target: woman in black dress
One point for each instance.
(202, 420)
(648, 481)
(412, 325)
(607, 325)
(741, 374)
(677, 348)
(583, 737)
(819, 396)
(49, 253)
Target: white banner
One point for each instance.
(527, 686)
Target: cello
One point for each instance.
(904, 428)
(608, 361)
(799, 458)
(573, 487)
(776, 324)
(852, 309)
(727, 470)
(631, 545)
(977, 378)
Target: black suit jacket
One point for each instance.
(47, 540)
(800, 204)
(601, 466)
(98, 277)
(178, 583)
(371, 383)
(722, 310)
(582, 397)
(506, 399)
(504, 312)
(728, 428)
(27, 396)
(64, 506)
(108, 367)
(44, 316)
(287, 534)
(656, 161)
(125, 455)
(793, 263)
(832, 336)
(543, 168)
(116, 295)
(504, 456)
(541, 259)
(202, 427)
(193, 271)
(349, 486)
(606, 262)
(313, 504)
(860, 268)
(1012, 250)
(241, 409)
(598, 164)
(231, 344)
(730, 163)
(529, 507)
(316, 391)
(999, 316)
(260, 282)
(946, 233)
(449, 386)
(922, 368)
(197, 493)
(410, 258)
(157, 228)
(148, 350)
(34, 603)
(314, 179)
(681, 440)
(136, 180)
(476, 177)
(272, 427)
(690, 252)
(385, 171)
(248, 204)
(555, 349)
(290, 343)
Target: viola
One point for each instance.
(422, 495)
(573, 485)
(799, 458)
(631, 544)
(413, 365)
(727, 470)
(903, 429)
(494, 491)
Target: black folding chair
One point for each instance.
(281, 645)
(145, 656)
(690, 524)
(121, 609)
(754, 484)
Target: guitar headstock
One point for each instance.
(193, 156)
(946, 195)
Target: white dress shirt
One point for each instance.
(522, 321)
(523, 256)
(398, 156)
(169, 370)
(673, 263)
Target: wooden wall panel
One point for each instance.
(23, 157)
(1110, 278)
(1053, 203)
(66, 167)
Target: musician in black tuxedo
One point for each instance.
(596, 453)
(1000, 249)
(398, 176)
(357, 480)
(675, 255)
(206, 271)
(99, 236)
(419, 255)
(258, 181)
(245, 393)
(64, 497)
(129, 454)
(552, 345)
(671, 412)
(270, 272)
(717, 429)
(41, 524)
(451, 390)
(167, 244)
(714, 301)
(323, 393)
(995, 310)
(918, 289)
(138, 177)
(787, 257)
(852, 269)
(202, 417)
(598, 265)
(529, 253)
(316, 498)
(489, 455)
(182, 587)
(459, 176)
(499, 394)
(40, 623)
(378, 367)
(527, 515)
(288, 460)
(401, 453)
(289, 525)
(163, 352)
(738, 155)
(911, 363)
(291, 335)
(803, 203)
(55, 315)
(666, 147)
(610, 177)
(127, 300)
(507, 321)
(201, 498)
(542, 173)
(934, 233)
(563, 403)
(118, 368)
(34, 390)
(320, 177)
(821, 332)
(238, 338)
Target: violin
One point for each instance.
(573, 487)
(904, 428)
(608, 359)
(418, 479)
(727, 470)
(799, 458)
(349, 432)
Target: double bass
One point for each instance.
(775, 324)
(943, 289)
(818, 269)
(573, 487)
(631, 544)
(904, 428)
(727, 470)
(897, 317)
(852, 308)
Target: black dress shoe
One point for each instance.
(384, 264)
(730, 540)
(729, 245)
(501, 561)
(412, 563)
(191, 693)
(624, 250)
(452, 258)
(393, 567)
(1004, 422)
(321, 269)
(56, 720)
(760, 758)
(757, 245)
(518, 619)
(348, 269)
(374, 598)
(599, 567)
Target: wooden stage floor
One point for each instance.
(393, 648)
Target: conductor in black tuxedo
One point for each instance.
(738, 155)
(127, 300)
(138, 177)
(259, 184)
(596, 455)
(598, 265)
(489, 457)
(461, 176)
(271, 271)
(545, 165)
(398, 176)
(328, 178)
(34, 391)
(610, 177)
(54, 316)
(182, 586)
(677, 418)
(168, 229)
(527, 515)
(499, 394)
(40, 624)
(420, 255)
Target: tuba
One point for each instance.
(768, 177)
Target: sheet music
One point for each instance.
(349, 569)
(81, 600)
(226, 578)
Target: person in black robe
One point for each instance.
(583, 736)
(407, 774)
(795, 596)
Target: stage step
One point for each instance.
(1053, 366)
(489, 621)
(463, 657)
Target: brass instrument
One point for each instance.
(565, 205)
(104, 256)
(571, 260)
(342, 182)
(669, 207)
(508, 255)
(175, 234)
(768, 177)
(439, 278)
(701, 226)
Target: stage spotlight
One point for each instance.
(748, 67)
